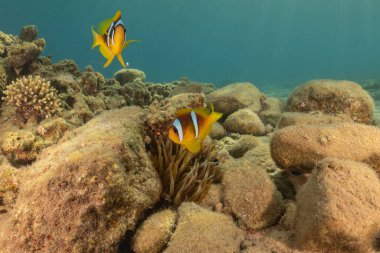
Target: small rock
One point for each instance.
(271, 111)
(213, 197)
(338, 208)
(29, 33)
(129, 75)
(217, 131)
(252, 196)
(235, 96)
(199, 230)
(245, 121)
(154, 233)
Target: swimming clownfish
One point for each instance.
(191, 127)
(111, 39)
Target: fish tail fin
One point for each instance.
(109, 60)
(129, 42)
(97, 38)
(215, 115)
(194, 146)
(120, 58)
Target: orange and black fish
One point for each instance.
(192, 126)
(111, 39)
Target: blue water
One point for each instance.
(272, 43)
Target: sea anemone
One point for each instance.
(184, 176)
(33, 96)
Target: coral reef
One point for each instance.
(124, 76)
(184, 176)
(34, 97)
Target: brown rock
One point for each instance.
(333, 97)
(252, 196)
(85, 193)
(155, 232)
(271, 111)
(299, 148)
(244, 121)
(199, 230)
(338, 208)
(217, 131)
(235, 96)
(29, 33)
(312, 118)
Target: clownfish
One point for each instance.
(192, 126)
(111, 39)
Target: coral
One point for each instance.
(333, 97)
(338, 208)
(91, 82)
(33, 97)
(252, 196)
(52, 130)
(155, 232)
(21, 54)
(8, 187)
(124, 76)
(184, 176)
(21, 147)
(201, 230)
(187, 86)
(3, 79)
(28, 33)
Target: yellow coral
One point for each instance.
(33, 96)
(3, 78)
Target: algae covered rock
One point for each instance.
(251, 196)
(311, 118)
(187, 86)
(154, 233)
(338, 208)
(217, 131)
(333, 97)
(271, 111)
(85, 193)
(21, 54)
(29, 33)
(235, 96)
(129, 75)
(244, 121)
(200, 230)
(298, 148)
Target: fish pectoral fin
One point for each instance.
(109, 60)
(129, 42)
(194, 146)
(120, 58)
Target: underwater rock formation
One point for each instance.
(201, 230)
(271, 110)
(251, 196)
(217, 131)
(235, 96)
(28, 33)
(244, 121)
(34, 98)
(298, 148)
(85, 193)
(187, 86)
(124, 76)
(310, 118)
(333, 97)
(155, 232)
(338, 208)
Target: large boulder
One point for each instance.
(333, 97)
(338, 209)
(252, 196)
(299, 148)
(86, 192)
(199, 230)
(235, 96)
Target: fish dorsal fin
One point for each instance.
(105, 25)
(203, 112)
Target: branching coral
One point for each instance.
(184, 176)
(33, 96)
